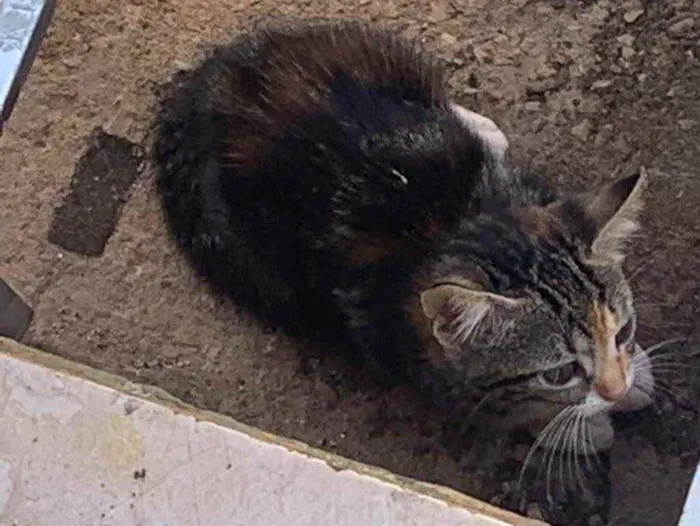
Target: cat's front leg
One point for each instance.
(489, 132)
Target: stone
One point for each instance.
(545, 72)
(448, 39)
(439, 12)
(582, 130)
(627, 39)
(632, 15)
(682, 27)
(627, 52)
(599, 85)
(687, 124)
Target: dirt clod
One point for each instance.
(85, 220)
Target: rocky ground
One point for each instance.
(584, 90)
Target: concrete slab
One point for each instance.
(82, 447)
(691, 510)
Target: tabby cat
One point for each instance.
(320, 175)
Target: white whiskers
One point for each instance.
(566, 437)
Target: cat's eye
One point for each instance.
(626, 332)
(562, 377)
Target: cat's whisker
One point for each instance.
(581, 422)
(658, 387)
(574, 458)
(584, 440)
(541, 438)
(470, 417)
(645, 263)
(561, 433)
(562, 450)
(671, 368)
(671, 362)
(572, 447)
(589, 439)
(664, 367)
(647, 388)
(637, 305)
(662, 345)
(665, 359)
(662, 353)
(665, 388)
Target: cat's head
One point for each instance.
(531, 307)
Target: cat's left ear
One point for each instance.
(456, 310)
(612, 212)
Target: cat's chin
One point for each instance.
(598, 435)
(601, 433)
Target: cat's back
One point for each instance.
(295, 156)
(279, 80)
(351, 119)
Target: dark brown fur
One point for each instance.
(318, 175)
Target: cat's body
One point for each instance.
(321, 176)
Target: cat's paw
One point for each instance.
(489, 132)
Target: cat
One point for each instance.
(319, 174)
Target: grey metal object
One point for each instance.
(23, 23)
(15, 314)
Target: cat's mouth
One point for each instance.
(641, 381)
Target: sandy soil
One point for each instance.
(583, 90)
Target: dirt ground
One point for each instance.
(582, 89)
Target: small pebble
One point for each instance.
(582, 130)
(600, 84)
(633, 15)
(448, 39)
(627, 39)
(682, 27)
(627, 52)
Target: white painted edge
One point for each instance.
(691, 509)
(407, 500)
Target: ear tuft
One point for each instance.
(456, 311)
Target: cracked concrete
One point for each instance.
(77, 452)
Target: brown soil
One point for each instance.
(583, 90)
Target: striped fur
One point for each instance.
(321, 176)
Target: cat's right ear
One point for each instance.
(610, 215)
(456, 310)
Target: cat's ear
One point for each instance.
(614, 209)
(455, 311)
(611, 211)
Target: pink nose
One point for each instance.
(612, 392)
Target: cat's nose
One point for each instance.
(612, 392)
(611, 382)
